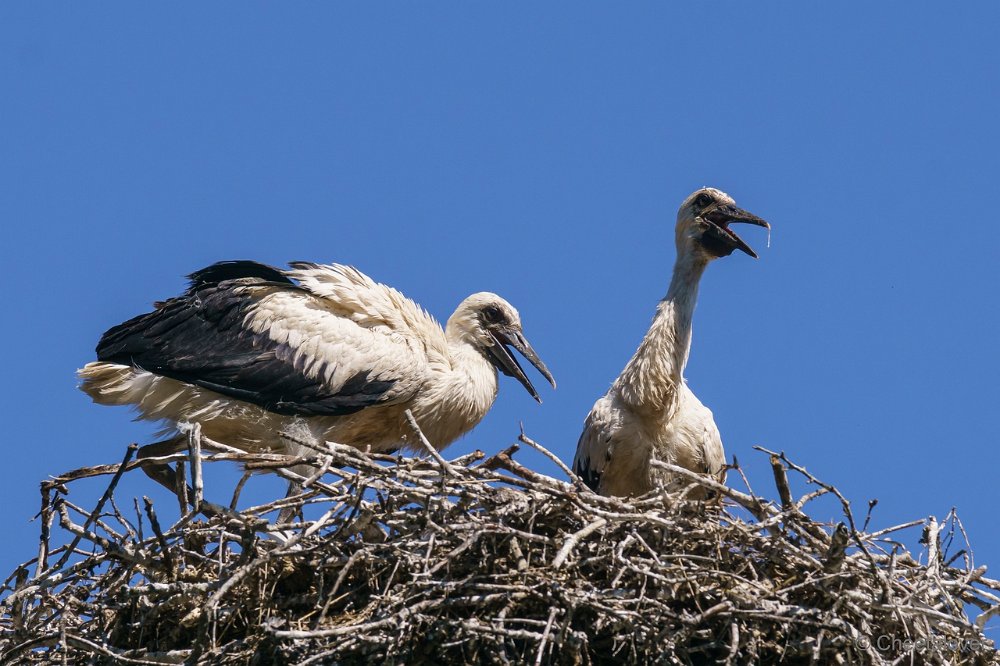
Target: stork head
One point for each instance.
(703, 225)
(491, 325)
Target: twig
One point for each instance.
(129, 452)
(577, 481)
(445, 465)
(781, 483)
(545, 636)
(194, 450)
(574, 539)
(161, 539)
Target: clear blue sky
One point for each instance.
(539, 152)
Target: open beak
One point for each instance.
(719, 219)
(505, 362)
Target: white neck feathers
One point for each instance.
(459, 397)
(653, 376)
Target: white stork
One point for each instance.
(649, 411)
(251, 352)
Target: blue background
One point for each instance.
(539, 152)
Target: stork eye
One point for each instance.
(492, 314)
(703, 200)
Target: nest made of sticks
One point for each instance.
(392, 559)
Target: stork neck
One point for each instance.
(672, 324)
(682, 294)
(652, 378)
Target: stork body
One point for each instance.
(252, 352)
(649, 411)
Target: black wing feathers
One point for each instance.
(581, 463)
(200, 338)
(234, 270)
(588, 474)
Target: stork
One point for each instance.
(251, 352)
(649, 411)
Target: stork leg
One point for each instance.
(167, 476)
(289, 512)
(165, 448)
(162, 473)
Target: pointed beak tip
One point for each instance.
(529, 353)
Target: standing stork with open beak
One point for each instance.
(649, 411)
(251, 352)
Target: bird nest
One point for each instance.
(420, 560)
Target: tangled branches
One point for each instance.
(384, 559)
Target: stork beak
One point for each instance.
(505, 362)
(719, 219)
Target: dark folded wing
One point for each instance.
(591, 456)
(248, 335)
